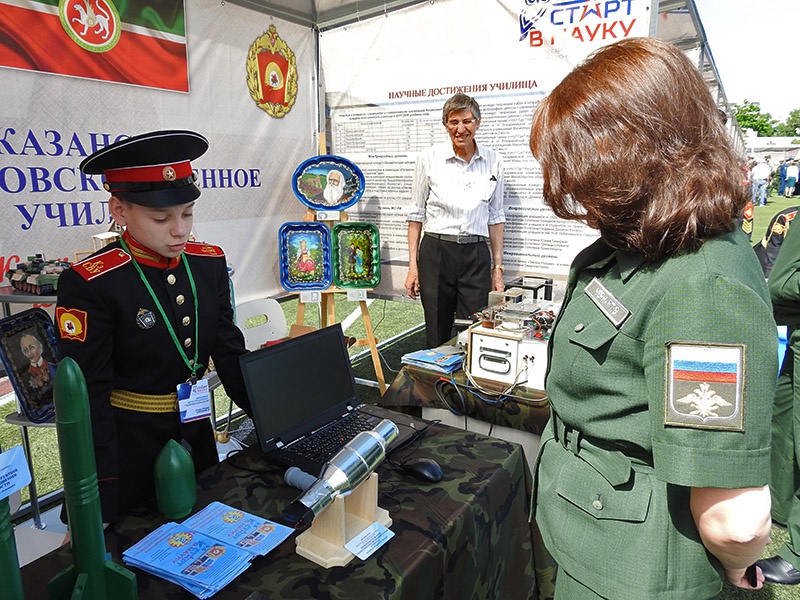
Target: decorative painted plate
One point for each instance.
(29, 354)
(356, 255)
(305, 256)
(328, 182)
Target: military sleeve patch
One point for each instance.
(196, 249)
(71, 323)
(100, 264)
(704, 386)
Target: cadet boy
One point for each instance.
(145, 314)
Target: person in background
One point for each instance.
(651, 479)
(145, 314)
(782, 176)
(457, 202)
(760, 173)
(784, 288)
(792, 172)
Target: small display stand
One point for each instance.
(339, 522)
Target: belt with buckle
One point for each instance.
(146, 403)
(458, 239)
(612, 464)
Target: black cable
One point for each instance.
(441, 392)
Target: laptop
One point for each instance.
(305, 402)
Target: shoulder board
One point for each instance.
(100, 264)
(199, 249)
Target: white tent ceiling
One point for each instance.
(326, 14)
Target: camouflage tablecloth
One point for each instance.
(466, 537)
(525, 409)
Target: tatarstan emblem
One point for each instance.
(272, 74)
(92, 24)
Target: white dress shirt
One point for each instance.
(451, 196)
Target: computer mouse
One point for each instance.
(424, 469)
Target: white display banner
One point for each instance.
(49, 123)
(387, 79)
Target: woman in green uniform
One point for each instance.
(651, 480)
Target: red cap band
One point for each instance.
(153, 174)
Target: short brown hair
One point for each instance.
(631, 142)
(461, 101)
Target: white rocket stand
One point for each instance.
(339, 522)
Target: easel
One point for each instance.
(327, 302)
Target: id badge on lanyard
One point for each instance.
(193, 400)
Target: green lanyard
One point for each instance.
(193, 365)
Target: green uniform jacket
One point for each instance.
(660, 378)
(784, 288)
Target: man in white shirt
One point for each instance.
(791, 178)
(760, 173)
(457, 200)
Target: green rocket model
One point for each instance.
(92, 576)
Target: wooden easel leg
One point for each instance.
(373, 347)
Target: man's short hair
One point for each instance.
(458, 102)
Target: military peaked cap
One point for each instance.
(151, 169)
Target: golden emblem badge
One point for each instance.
(272, 74)
(168, 173)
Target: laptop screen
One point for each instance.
(299, 384)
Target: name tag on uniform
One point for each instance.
(193, 401)
(608, 304)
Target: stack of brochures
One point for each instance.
(445, 359)
(208, 550)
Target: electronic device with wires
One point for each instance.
(507, 348)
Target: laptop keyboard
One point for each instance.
(327, 441)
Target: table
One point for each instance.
(466, 537)
(10, 295)
(415, 389)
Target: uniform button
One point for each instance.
(579, 327)
(597, 504)
(187, 342)
(180, 299)
(171, 279)
(185, 321)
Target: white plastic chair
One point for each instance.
(258, 332)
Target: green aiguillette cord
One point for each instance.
(193, 365)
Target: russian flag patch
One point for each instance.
(705, 386)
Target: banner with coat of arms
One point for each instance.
(139, 42)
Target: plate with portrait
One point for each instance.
(328, 182)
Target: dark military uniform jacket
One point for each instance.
(109, 324)
(660, 379)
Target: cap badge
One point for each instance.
(168, 173)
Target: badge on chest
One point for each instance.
(145, 318)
